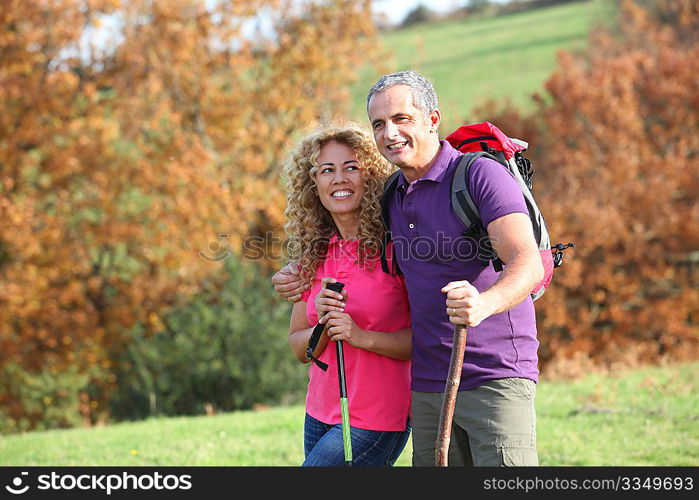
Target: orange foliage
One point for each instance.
(121, 160)
(618, 158)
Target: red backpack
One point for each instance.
(486, 140)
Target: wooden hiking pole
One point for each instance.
(449, 400)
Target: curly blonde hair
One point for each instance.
(309, 224)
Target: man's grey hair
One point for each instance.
(424, 95)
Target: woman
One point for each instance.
(335, 181)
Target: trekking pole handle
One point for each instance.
(337, 287)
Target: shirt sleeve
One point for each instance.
(495, 191)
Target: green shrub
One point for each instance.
(49, 398)
(224, 351)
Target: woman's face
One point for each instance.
(339, 179)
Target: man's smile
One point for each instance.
(397, 145)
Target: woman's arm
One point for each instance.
(341, 326)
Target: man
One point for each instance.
(494, 420)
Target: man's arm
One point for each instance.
(287, 283)
(512, 238)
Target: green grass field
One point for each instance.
(471, 60)
(641, 417)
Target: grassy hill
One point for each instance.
(641, 417)
(469, 60)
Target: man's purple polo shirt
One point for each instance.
(430, 248)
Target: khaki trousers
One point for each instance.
(493, 425)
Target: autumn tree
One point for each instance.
(124, 154)
(617, 150)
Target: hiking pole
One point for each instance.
(449, 400)
(344, 405)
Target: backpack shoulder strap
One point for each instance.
(466, 210)
(461, 200)
(388, 189)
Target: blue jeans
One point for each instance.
(323, 445)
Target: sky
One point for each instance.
(396, 10)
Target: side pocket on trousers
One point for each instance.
(519, 457)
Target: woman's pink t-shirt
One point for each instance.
(378, 387)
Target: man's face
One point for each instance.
(403, 134)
